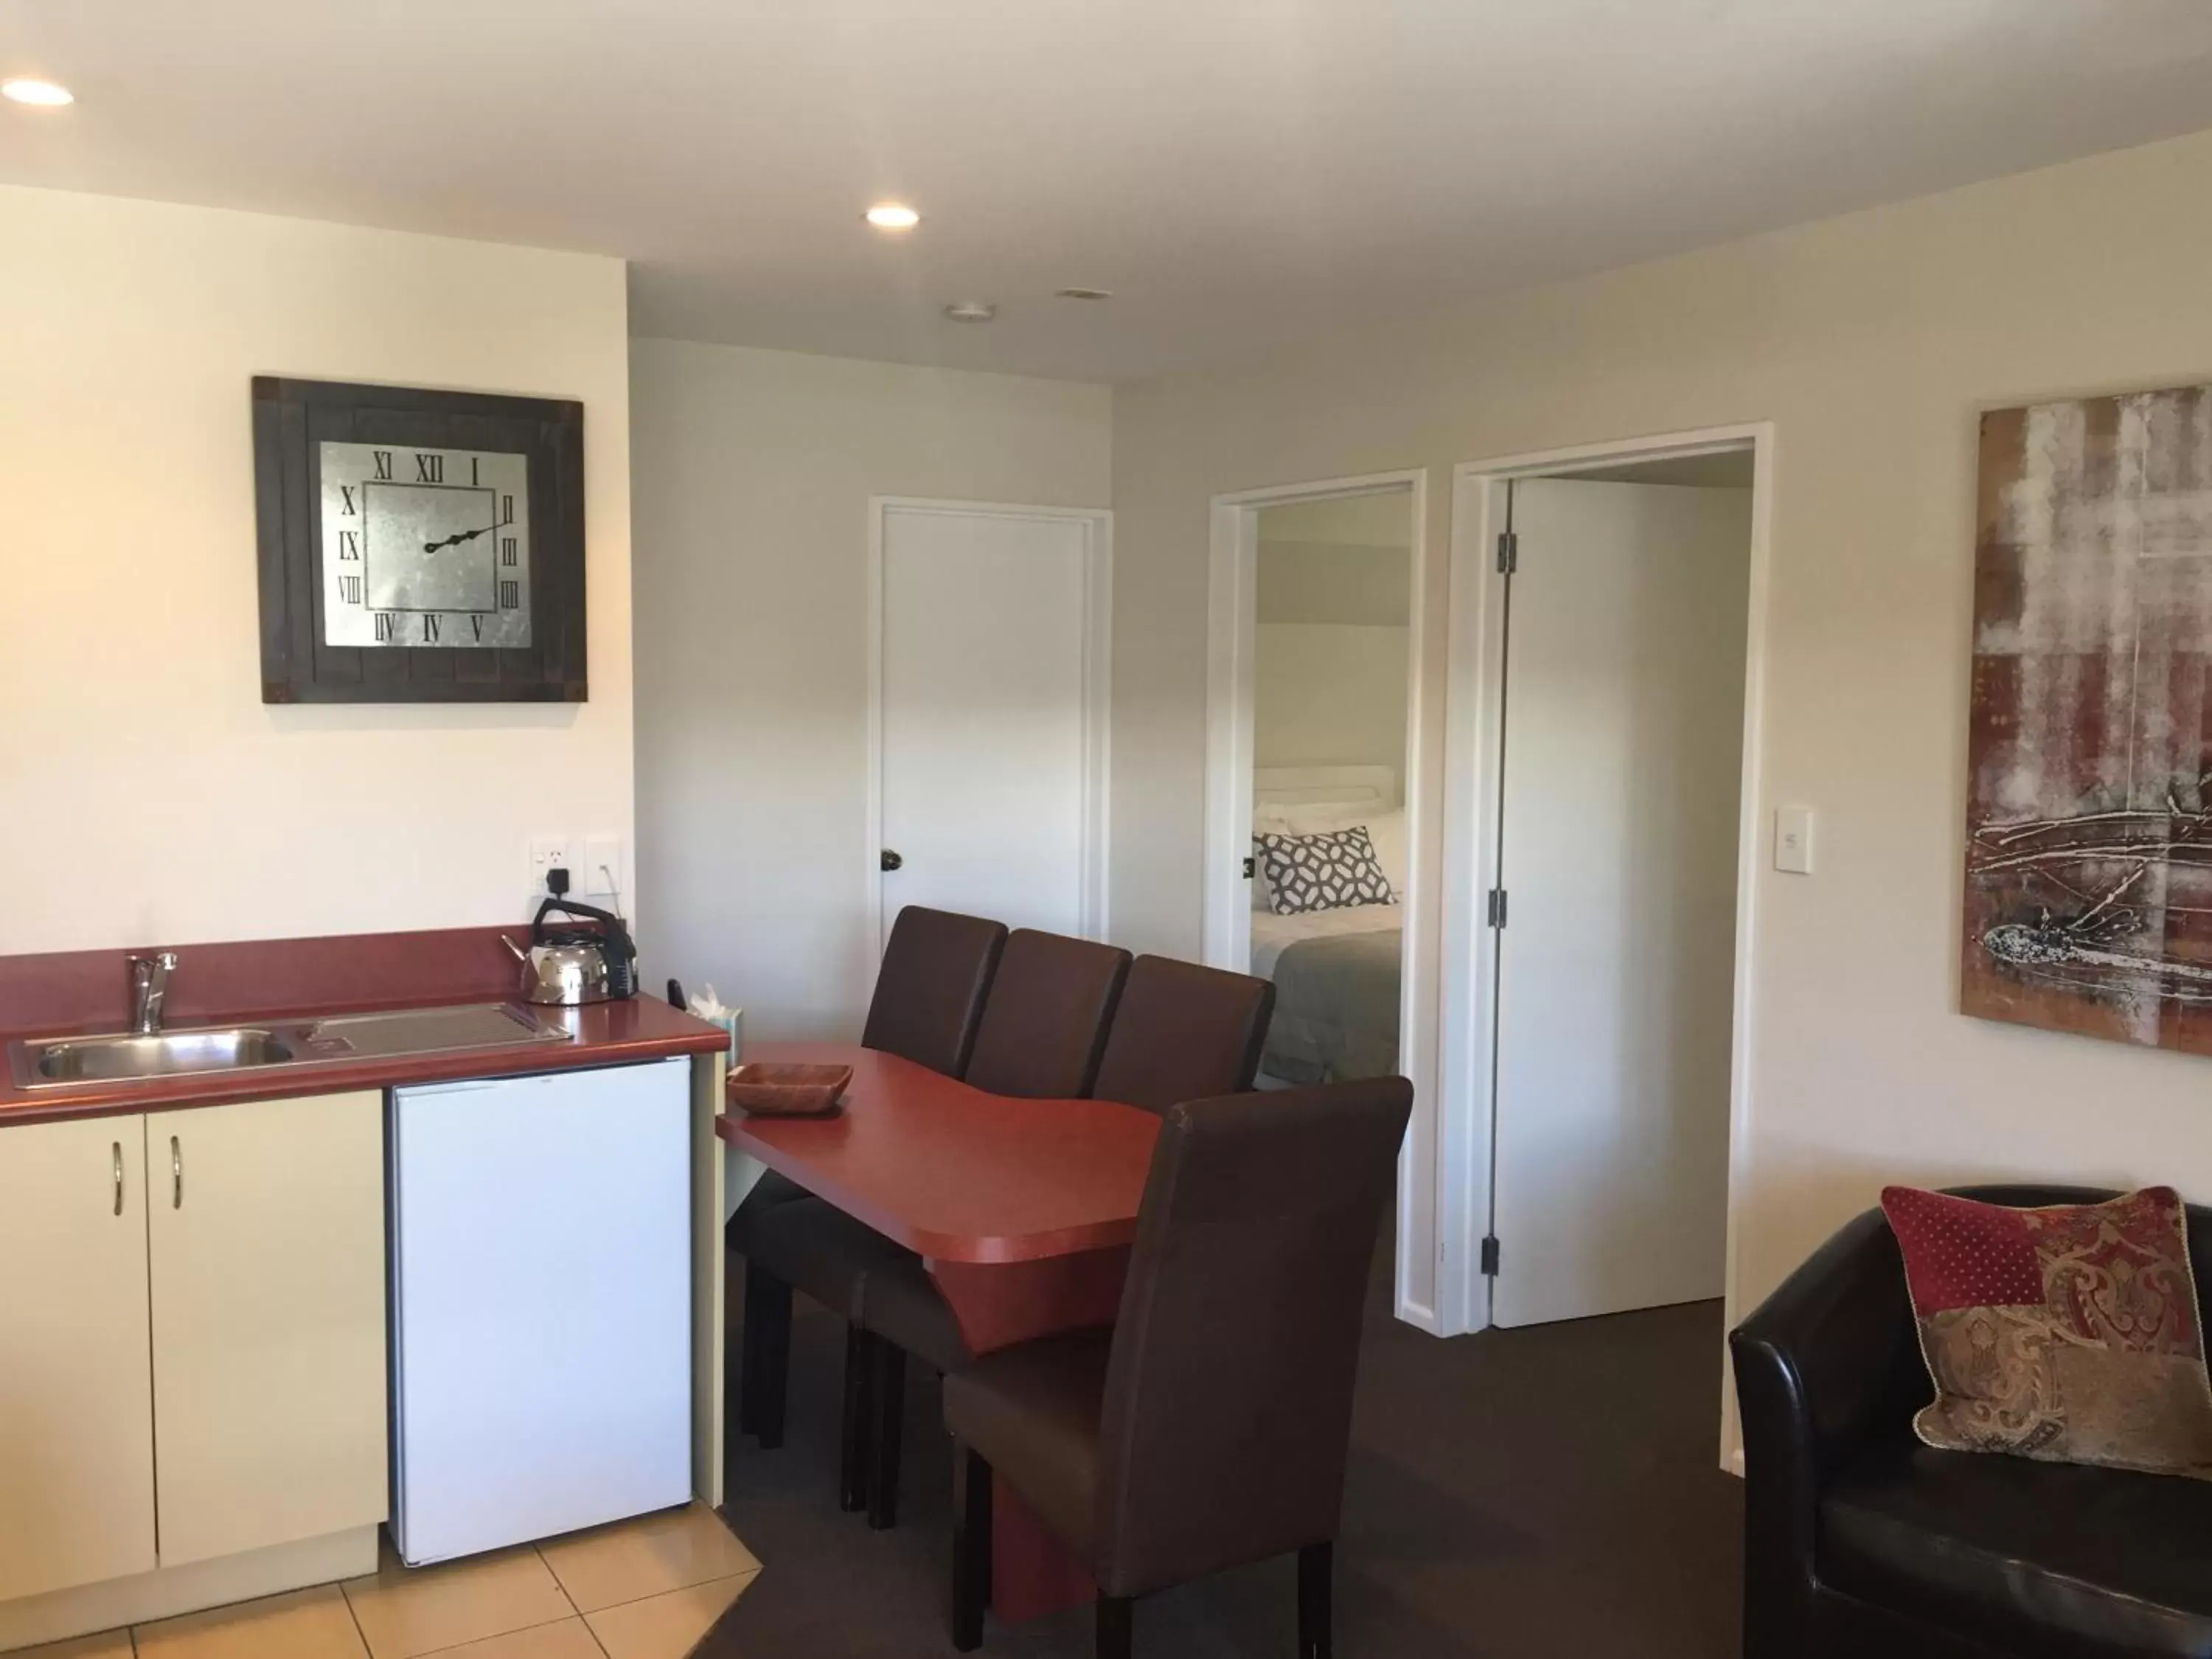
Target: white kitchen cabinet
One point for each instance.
(265, 1232)
(76, 1414)
(192, 1337)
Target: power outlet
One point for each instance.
(551, 853)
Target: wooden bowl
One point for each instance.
(765, 1089)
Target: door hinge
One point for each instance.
(1249, 870)
(1495, 909)
(1509, 552)
(1490, 1257)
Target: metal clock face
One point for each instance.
(425, 548)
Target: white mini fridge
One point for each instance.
(541, 1304)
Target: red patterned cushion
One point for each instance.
(2067, 1333)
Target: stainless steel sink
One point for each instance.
(167, 1054)
(398, 1033)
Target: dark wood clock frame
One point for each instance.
(291, 420)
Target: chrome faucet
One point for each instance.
(149, 987)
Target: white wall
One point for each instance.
(146, 792)
(1871, 341)
(1329, 694)
(754, 471)
(1331, 645)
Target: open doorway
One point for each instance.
(1315, 792)
(1607, 615)
(1331, 650)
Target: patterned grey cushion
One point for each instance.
(1334, 869)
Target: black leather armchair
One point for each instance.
(1859, 1540)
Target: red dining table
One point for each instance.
(1022, 1210)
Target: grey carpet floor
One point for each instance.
(1544, 1493)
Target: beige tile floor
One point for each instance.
(647, 1588)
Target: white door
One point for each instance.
(1624, 724)
(76, 1405)
(991, 716)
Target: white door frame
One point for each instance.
(1098, 684)
(1233, 623)
(1474, 701)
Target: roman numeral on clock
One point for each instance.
(476, 627)
(387, 628)
(348, 543)
(430, 628)
(383, 458)
(346, 492)
(507, 509)
(510, 596)
(430, 469)
(350, 589)
(506, 549)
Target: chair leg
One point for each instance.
(971, 1547)
(1115, 1635)
(888, 1386)
(1315, 1564)
(853, 1432)
(765, 1356)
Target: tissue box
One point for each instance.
(732, 1020)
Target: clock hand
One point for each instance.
(462, 535)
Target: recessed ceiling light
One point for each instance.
(1085, 294)
(36, 92)
(971, 311)
(892, 215)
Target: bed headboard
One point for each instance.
(1300, 785)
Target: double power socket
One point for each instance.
(595, 864)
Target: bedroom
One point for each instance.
(1330, 681)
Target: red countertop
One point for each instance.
(76, 992)
(954, 1173)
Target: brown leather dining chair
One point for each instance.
(1179, 1032)
(1046, 1018)
(1044, 1031)
(1183, 1032)
(927, 1006)
(1209, 1427)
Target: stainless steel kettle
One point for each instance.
(567, 967)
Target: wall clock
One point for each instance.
(418, 546)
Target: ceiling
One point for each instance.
(1239, 172)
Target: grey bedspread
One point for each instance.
(1336, 1009)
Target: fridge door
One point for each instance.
(542, 1323)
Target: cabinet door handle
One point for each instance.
(176, 1175)
(119, 1177)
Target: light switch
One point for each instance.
(602, 874)
(1793, 840)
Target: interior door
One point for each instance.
(266, 1225)
(986, 740)
(76, 1411)
(1622, 768)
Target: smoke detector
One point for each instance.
(971, 311)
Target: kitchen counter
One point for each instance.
(207, 1347)
(80, 993)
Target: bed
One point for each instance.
(1335, 971)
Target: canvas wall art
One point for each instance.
(2088, 888)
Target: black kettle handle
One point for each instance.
(618, 934)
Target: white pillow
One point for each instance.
(1278, 818)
